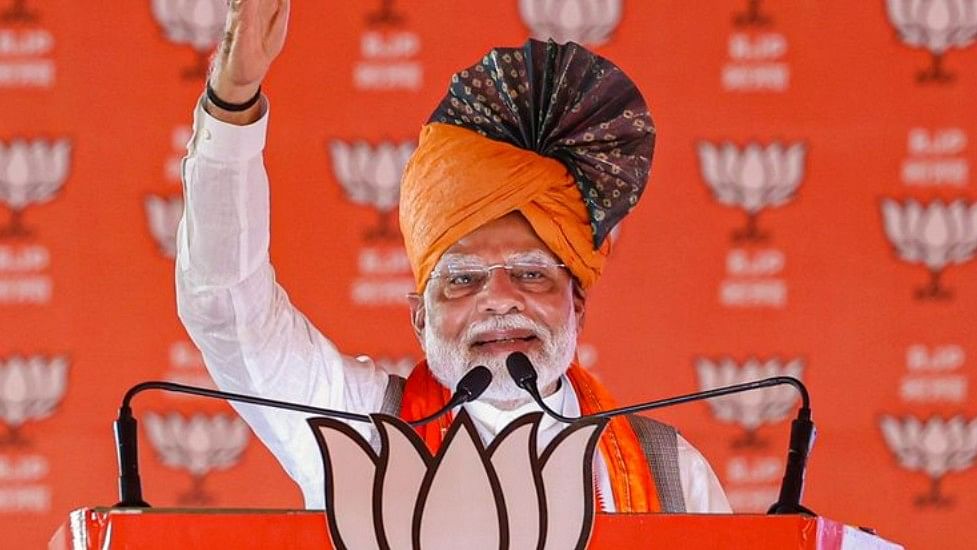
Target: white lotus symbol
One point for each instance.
(198, 444)
(753, 16)
(31, 172)
(936, 25)
(936, 235)
(935, 447)
(753, 177)
(30, 389)
(370, 176)
(163, 216)
(198, 23)
(588, 22)
(750, 409)
(465, 496)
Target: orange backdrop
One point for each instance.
(811, 211)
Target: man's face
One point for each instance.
(483, 325)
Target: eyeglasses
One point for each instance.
(458, 281)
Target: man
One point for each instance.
(506, 206)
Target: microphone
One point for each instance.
(802, 430)
(469, 388)
(524, 375)
(126, 437)
(472, 385)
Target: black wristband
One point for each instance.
(232, 107)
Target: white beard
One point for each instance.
(450, 360)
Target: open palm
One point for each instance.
(253, 38)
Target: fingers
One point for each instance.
(230, 30)
(272, 13)
(278, 20)
(241, 15)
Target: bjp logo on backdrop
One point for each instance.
(754, 177)
(936, 235)
(370, 176)
(163, 216)
(590, 22)
(199, 444)
(18, 13)
(937, 26)
(197, 23)
(751, 409)
(753, 16)
(31, 388)
(935, 447)
(31, 172)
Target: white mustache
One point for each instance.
(506, 322)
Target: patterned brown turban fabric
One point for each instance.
(552, 131)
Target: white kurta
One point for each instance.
(255, 341)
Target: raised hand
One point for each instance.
(253, 38)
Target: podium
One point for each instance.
(158, 528)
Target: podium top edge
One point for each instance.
(264, 511)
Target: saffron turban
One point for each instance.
(549, 130)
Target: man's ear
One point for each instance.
(417, 315)
(579, 304)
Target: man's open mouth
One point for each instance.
(507, 338)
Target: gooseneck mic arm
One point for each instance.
(524, 375)
(126, 437)
(469, 388)
(802, 430)
(239, 397)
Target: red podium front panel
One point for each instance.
(106, 528)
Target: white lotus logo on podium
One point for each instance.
(937, 26)
(589, 22)
(197, 23)
(30, 389)
(18, 12)
(751, 409)
(754, 177)
(935, 447)
(370, 176)
(198, 444)
(752, 16)
(163, 216)
(936, 236)
(465, 496)
(31, 172)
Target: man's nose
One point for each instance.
(500, 295)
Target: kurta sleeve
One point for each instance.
(252, 338)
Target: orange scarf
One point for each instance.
(631, 478)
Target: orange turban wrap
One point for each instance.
(458, 180)
(552, 131)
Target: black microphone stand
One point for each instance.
(469, 388)
(802, 430)
(126, 436)
(802, 434)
